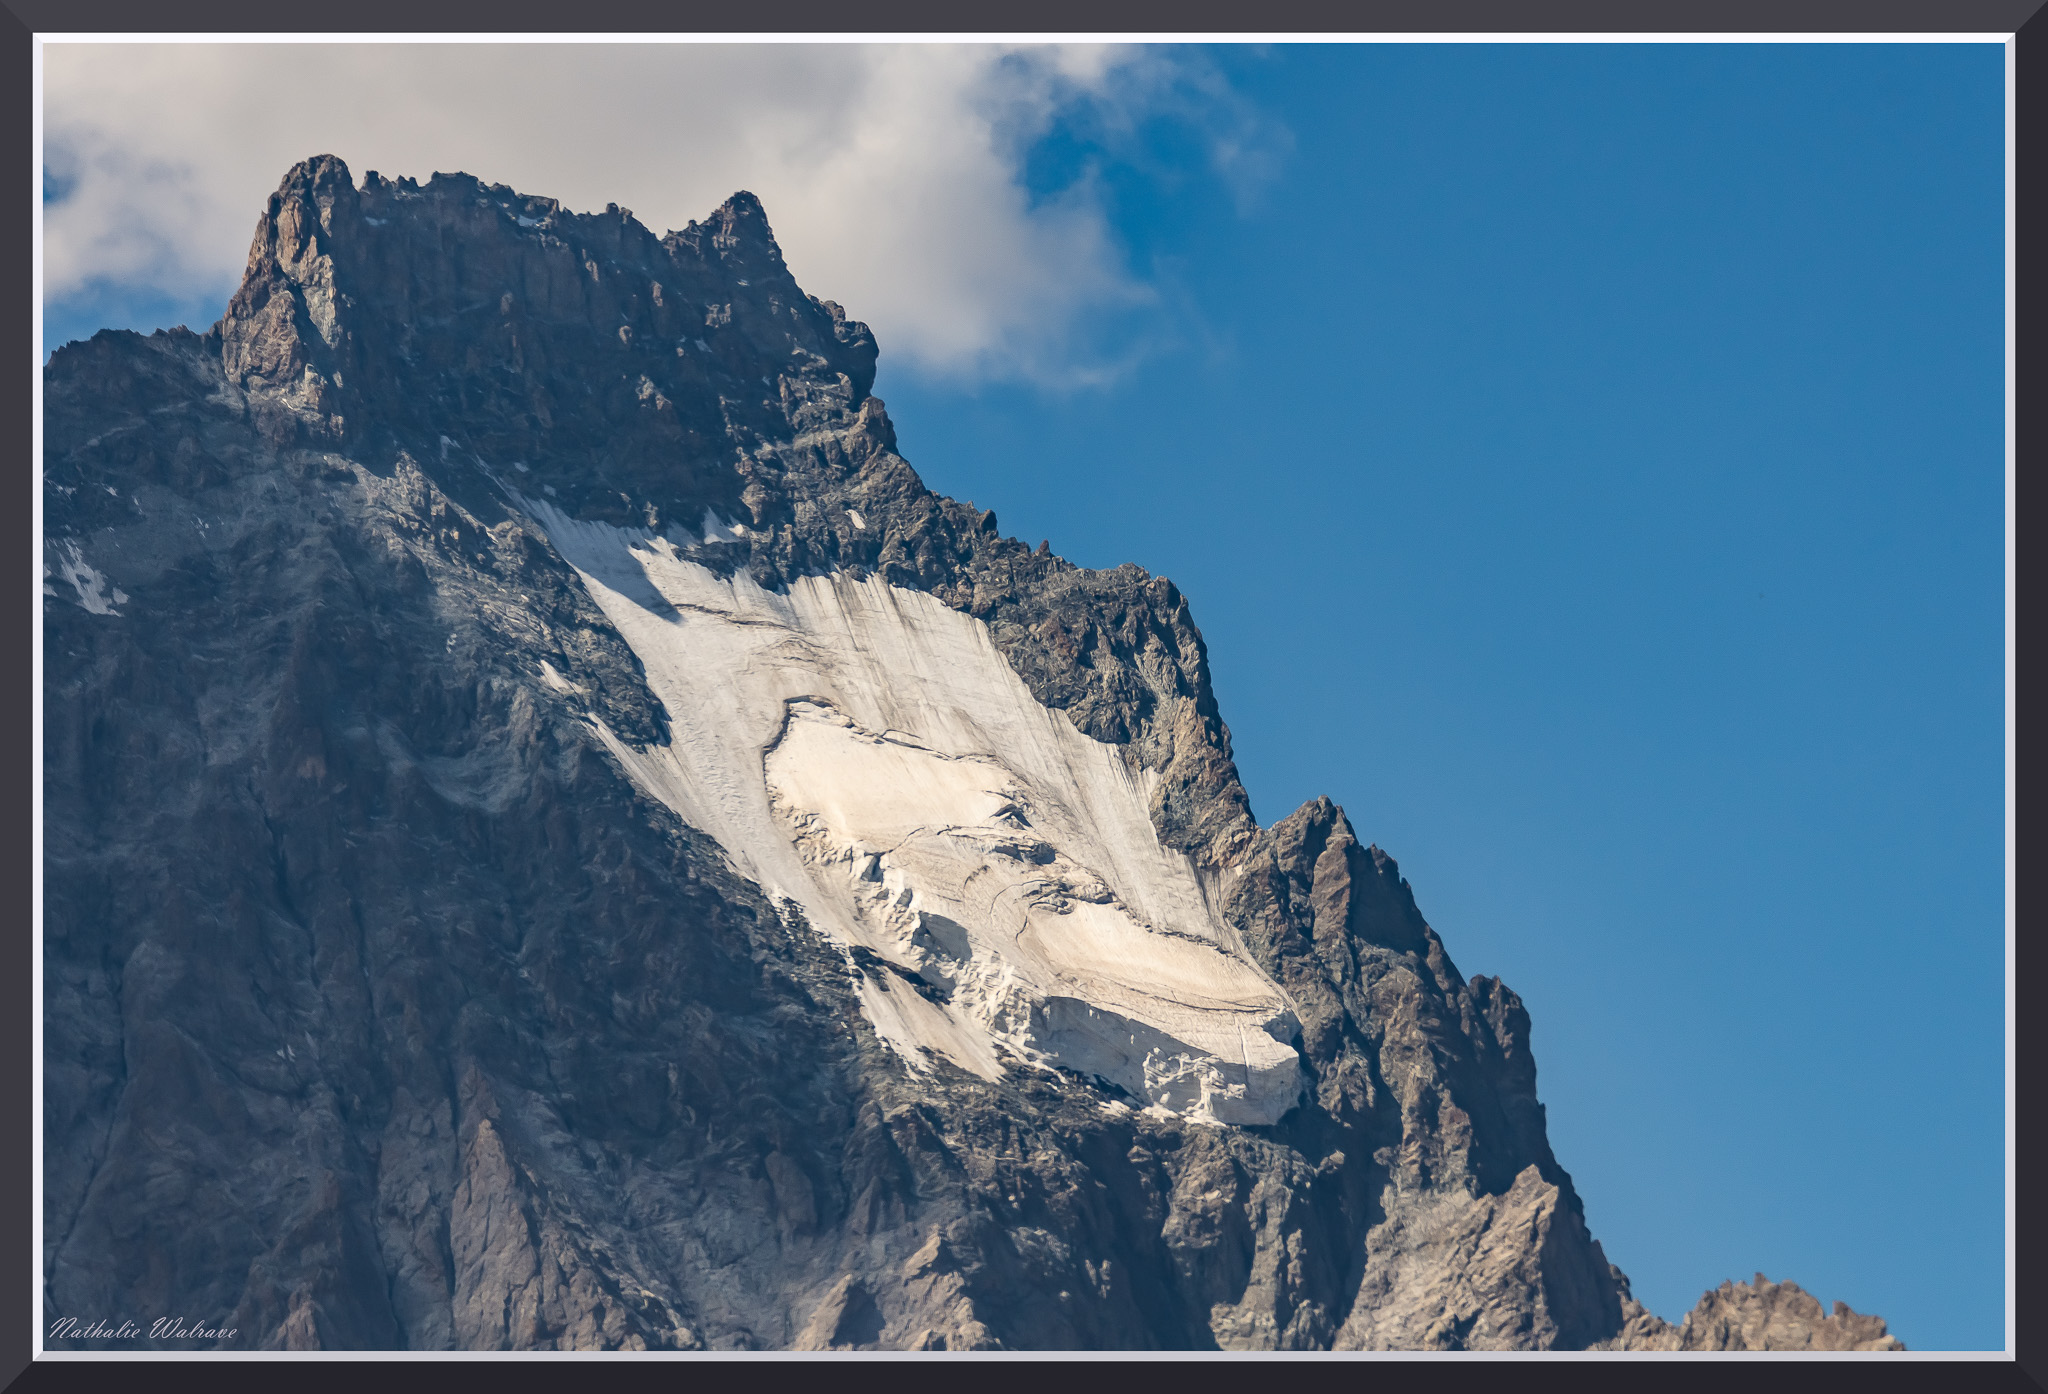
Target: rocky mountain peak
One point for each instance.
(623, 369)
(558, 839)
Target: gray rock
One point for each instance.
(382, 1008)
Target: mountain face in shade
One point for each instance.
(555, 838)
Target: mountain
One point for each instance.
(555, 838)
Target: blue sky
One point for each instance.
(1584, 461)
(1586, 465)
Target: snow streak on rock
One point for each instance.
(865, 751)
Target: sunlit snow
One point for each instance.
(866, 752)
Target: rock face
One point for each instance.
(1754, 1316)
(556, 839)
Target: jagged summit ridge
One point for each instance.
(531, 332)
(458, 661)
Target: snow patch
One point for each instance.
(860, 524)
(867, 752)
(716, 530)
(95, 593)
(559, 683)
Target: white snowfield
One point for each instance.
(866, 752)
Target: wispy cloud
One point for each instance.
(894, 175)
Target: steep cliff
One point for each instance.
(556, 838)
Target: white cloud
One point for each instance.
(892, 174)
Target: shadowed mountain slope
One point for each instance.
(555, 838)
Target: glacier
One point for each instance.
(866, 753)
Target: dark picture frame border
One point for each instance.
(22, 20)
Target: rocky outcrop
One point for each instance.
(389, 1003)
(1762, 1315)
